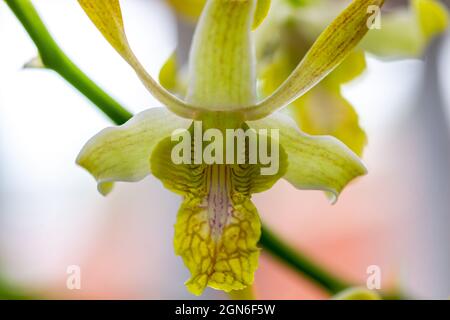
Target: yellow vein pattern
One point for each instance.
(218, 227)
(216, 233)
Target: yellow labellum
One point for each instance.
(218, 227)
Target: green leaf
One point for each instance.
(218, 227)
(329, 50)
(122, 153)
(315, 163)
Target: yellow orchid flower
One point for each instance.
(403, 32)
(218, 227)
(191, 9)
(407, 31)
(188, 9)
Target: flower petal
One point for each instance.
(351, 68)
(325, 112)
(329, 50)
(315, 163)
(122, 153)
(432, 15)
(191, 9)
(322, 110)
(261, 12)
(169, 73)
(218, 227)
(107, 17)
(406, 32)
(222, 70)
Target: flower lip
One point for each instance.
(218, 227)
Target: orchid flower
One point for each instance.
(291, 28)
(404, 32)
(218, 227)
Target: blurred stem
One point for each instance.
(54, 58)
(9, 292)
(299, 262)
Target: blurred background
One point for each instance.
(51, 216)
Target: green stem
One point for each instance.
(10, 292)
(54, 58)
(299, 262)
